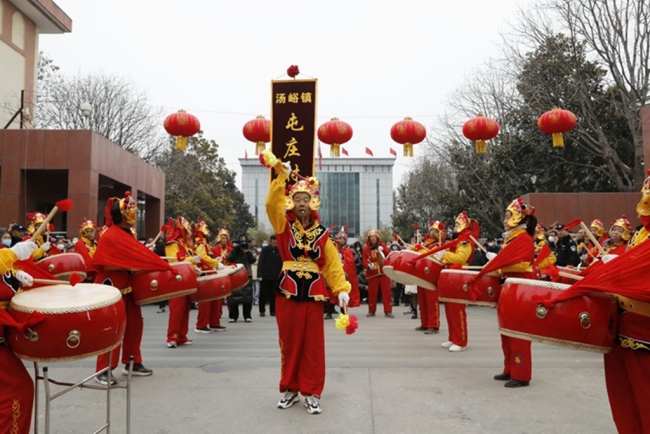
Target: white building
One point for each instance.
(356, 191)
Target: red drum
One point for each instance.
(212, 286)
(238, 276)
(155, 286)
(63, 265)
(585, 323)
(453, 289)
(401, 267)
(81, 321)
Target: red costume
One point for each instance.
(428, 300)
(209, 311)
(350, 269)
(86, 247)
(377, 281)
(220, 253)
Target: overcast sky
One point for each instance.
(376, 61)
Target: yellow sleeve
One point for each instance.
(333, 270)
(549, 260)
(201, 251)
(275, 203)
(39, 254)
(520, 267)
(171, 251)
(461, 256)
(7, 259)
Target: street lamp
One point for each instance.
(86, 110)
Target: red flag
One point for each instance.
(320, 158)
(369, 152)
(245, 154)
(344, 152)
(393, 152)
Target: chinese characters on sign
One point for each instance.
(293, 120)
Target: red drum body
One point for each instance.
(155, 286)
(81, 321)
(238, 276)
(586, 323)
(212, 286)
(63, 265)
(453, 289)
(402, 267)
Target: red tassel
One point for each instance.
(107, 212)
(574, 223)
(64, 205)
(74, 279)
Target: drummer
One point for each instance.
(619, 233)
(34, 221)
(373, 256)
(427, 299)
(455, 258)
(16, 385)
(208, 319)
(597, 229)
(222, 247)
(349, 267)
(86, 246)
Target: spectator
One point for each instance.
(6, 240)
(242, 255)
(17, 233)
(270, 265)
(566, 250)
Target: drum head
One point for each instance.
(408, 279)
(65, 298)
(232, 269)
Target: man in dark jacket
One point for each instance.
(268, 268)
(242, 255)
(566, 250)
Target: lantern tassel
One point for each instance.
(181, 143)
(260, 147)
(334, 150)
(558, 140)
(408, 149)
(481, 148)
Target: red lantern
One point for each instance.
(556, 122)
(258, 131)
(479, 130)
(182, 125)
(408, 133)
(334, 133)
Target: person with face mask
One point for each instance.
(6, 239)
(566, 249)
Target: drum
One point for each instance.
(63, 265)
(452, 287)
(81, 321)
(585, 323)
(238, 276)
(401, 267)
(155, 286)
(212, 286)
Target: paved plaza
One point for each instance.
(384, 379)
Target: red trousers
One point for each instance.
(374, 286)
(179, 319)
(517, 358)
(627, 375)
(429, 308)
(457, 323)
(302, 345)
(209, 314)
(16, 394)
(132, 337)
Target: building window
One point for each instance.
(18, 30)
(378, 222)
(340, 194)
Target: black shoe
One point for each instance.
(262, 314)
(272, 313)
(389, 315)
(138, 370)
(502, 377)
(370, 314)
(414, 316)
(431, 331)
(328, 316)
(516, 383)
(218, 328)
(103, 379)
(420, 329)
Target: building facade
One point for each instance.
(354, 191)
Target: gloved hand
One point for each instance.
(197, 259)
(46, 246)
(220, 266)
(608, 257)
(24, 278)
(24, 249)
(490, 255)
(287, 167)
(344, 298)
(371, 266)
(439, 255)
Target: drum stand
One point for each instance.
(49, 397)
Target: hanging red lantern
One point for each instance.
(408, 133)
(556, 122)
(258, 131)
(182, 125)
(479, 130)
(335, 133)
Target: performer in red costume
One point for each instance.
(373, 256)
(347, 258)
(220, 252)
(427, 299)
(16, 385)
(118, 254)
(86, 246)
(308, 255)
(456, 257)
(34, 221)
(514, 260)
(209, 318)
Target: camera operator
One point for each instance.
(241, 254)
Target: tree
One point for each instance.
(121, 111)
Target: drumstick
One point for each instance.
(410, 246)
(570, 276)
(592, 238)
(63, 205)
(479, 245)
(51, 282)
(472, 267)
(155, 240)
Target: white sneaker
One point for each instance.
(457, 348)
(447, 344)
(288, 399)
(171, 344)
(313, 404)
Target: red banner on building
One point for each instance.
(293, 123)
